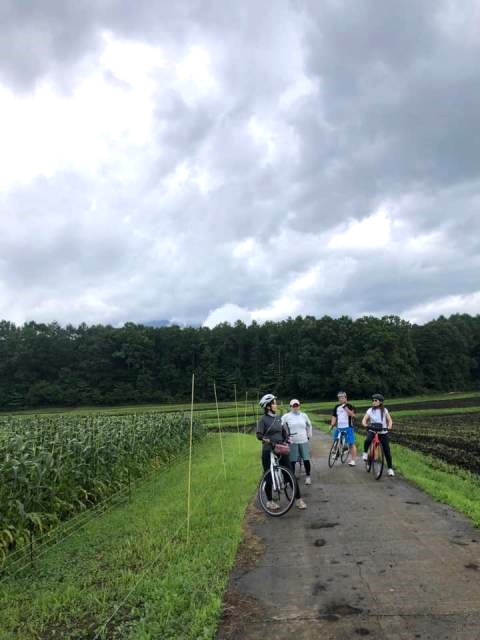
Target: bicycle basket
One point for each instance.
(281, 449)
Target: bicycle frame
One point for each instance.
(277, 478)
(283, 487)
(339, 448)
(375, 456)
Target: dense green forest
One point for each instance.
(47, 365)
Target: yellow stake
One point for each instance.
(236, 409)
(245, 415)
(190, 462)
(219, 430)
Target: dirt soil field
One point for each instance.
(454, 438)
(427, 404)
(379, 560)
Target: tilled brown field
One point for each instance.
(454, 403)
(454, 438)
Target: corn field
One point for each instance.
(53, 467)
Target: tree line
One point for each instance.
(50, 365)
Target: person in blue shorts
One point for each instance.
(343, 416)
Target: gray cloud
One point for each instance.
(319, 115)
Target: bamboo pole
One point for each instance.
(220, 430)
(245, 414)
(190, 462)
(236, 411)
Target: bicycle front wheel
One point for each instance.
(334, 453)
(283, 492)
(343, 449)
(378, 461)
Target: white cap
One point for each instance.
(294, 401)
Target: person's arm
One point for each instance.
(389, 421)
(309, 426)
(349, 410)
(260, 429)
(333, 421)
(366, 420)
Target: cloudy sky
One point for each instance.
(203, 161)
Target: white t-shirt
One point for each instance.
(299, 424)
(375, 415)
(342, 418)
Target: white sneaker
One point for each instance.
(308, 480)
(352, 463)
(300, 504)
(364, 457)
(391, 472)
(273, 506)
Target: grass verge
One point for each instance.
(445, 483)
(131, 573)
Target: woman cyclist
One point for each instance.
(271, 431)
(299, 425)
(378, 419)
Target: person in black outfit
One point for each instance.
(271, 431)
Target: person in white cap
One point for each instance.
(300, 429)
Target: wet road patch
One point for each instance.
(319, 542)
(323, 525)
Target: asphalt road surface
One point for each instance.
(366, 559)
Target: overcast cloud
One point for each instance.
(199, 162)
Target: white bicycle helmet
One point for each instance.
(266, 399)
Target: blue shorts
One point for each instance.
(349, 434)
(302, 450)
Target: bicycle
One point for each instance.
(375, 456)
(339, 449)
(283, 488)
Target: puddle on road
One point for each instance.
(336, 610)
(318, 587)
(323, 525)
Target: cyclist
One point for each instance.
(271, 431)
(298, 424)
(378, 419)
(343, 416)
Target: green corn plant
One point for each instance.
(52, 467)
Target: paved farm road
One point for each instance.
(376, 560)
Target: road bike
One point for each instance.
(283, 488)
(375, 457)
(339, 449)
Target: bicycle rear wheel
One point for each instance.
(378, 461)
(283, 495)
(343, 449)
(334, 453)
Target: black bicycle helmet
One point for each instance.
(378, 396)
